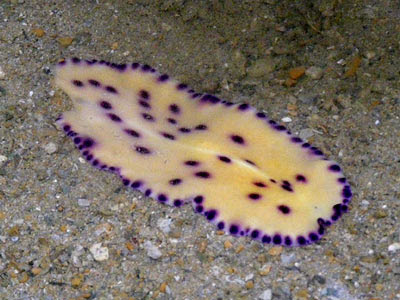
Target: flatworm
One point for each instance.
(245, 173)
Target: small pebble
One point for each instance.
(265, 295)
(287, 119)
(261, 68)
(152, 251)
(50, 148)
(314, 72)
(83, 202)
(394, 247)
(287, 259)
(65, 41)
(296, 73)
(38, 32)
(99, 253)
(306, 133)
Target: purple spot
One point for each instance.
(94, 83)
(178, 202)
(175, 181)
(255, 234)
(146, 68)
(135, 66)
(105, 105)
(261, 115)
(301, 178)
(77, 140)
(201, 127)
(284, 209)
(112, 169)
(243, 106)
(196, 95)
(198, 199)
(202, 174)
(132, 133)
(260, 184)
(76, 60)
(142, 150)
(168, 136)
(162, 198)
(234, 229)
(313, 236)
(334, 168)
(224, 159)
(287, 187)
(192, 163)
(277, 239)
(319, 152)
(296, 140)
(147, 192)
(125, 182)
(89, 157)
(77, 83)
(221, 225)
(144, 104)
(250, 162)
(266, 239)
(114, 117)
(272, 122)
(174, 108)
(88, 143)
(301, 240)
(237, 139)
(171, 121)
(254, 196)
(347, 192)
(342, 180)
(210, 98)
(95, 162)
(147, 117)
(181, 86)
(211, 214)
(273, 180)
(61, 63)
(144, 94)
(163, 77)
(306, 145)
(199, 208)
(184, 130)
(280, 128)
(91, 62)
(227, 103)
(111, 89)
(288, 241)
(321, 230)
(136, 184)
(84, 153)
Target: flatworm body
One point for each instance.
(245, 173)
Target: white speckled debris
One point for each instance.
(50, 148)
(164, 224)
(152, 251)
(266, 295)
(394, 247)
(99, 253)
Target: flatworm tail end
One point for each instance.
(242, 171)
